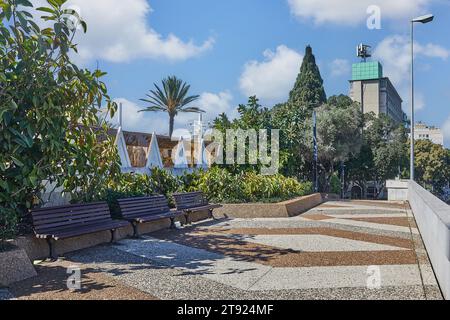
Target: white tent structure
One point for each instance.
(122, 145)
(123, 153)
(202, 156)
(181, 161)
(154, 155)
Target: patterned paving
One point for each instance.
(340, 250)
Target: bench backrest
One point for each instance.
(133, 208)
(190, 200)
(77, 216)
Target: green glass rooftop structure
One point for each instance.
(367, 71)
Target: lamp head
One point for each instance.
(424, 19)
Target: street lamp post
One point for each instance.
(316, 153)
(423, 19)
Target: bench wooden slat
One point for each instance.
(50, 219)
(73, 207)
(194, 202)
(146, 209)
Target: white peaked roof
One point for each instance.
(181, 161)
(122, 148)
(154, 156)
(202, 156)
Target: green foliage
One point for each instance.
(8, 223)
(49, 112)
(432, 165)
(293, 123)
(162, 182)
(308, 89)
(222, 186)
(172, 99)
(383, 153)
(252, 116)
(335, 184)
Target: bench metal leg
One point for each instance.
(135, 230)
(172, 223)
(211, 215)
(113, 235)
(186, 216)
(51, 248)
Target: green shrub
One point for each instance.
(8, 225)
(222, 186)
(335, 184)
(162, 182)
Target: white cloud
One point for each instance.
(351, 12)
(213, 104)
(118, 31)
(340, 67)
(446, 130)
(135, 121)
(149, 122)
(272, 79)
(394, 52)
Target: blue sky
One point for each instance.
(230, 49)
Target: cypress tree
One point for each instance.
(308, 89)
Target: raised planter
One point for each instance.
(15, 266)
(284, 209)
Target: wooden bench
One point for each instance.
(63, 222)
(192, 202)
(147, 209)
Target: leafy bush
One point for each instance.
(222, 186)
(335, 184)
(49, 112)
(162, 182)
(8, 225)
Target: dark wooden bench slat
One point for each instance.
(61, 228)
(148, 205)
(49, 220)
(87, 230)
(146, 209)
(73, 223)
(194, 202)
(74, 208)
(70, 221)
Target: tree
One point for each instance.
(49, 113)
(293, 118)
(432, 165)
(172, 98)
(293, 123)
(383, 153)
(339, 137)
(252, 116)
(308, 90)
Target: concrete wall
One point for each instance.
(270, 210)
(433, 219)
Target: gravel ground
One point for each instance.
(185, 265)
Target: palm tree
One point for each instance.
(172, 98)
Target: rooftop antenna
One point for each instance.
(363, 51)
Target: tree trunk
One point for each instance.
(171, 124)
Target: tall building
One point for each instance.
(424, 132)
(375, 92)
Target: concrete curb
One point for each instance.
(284, 209)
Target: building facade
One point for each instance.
(375, 92)
(424, 132)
